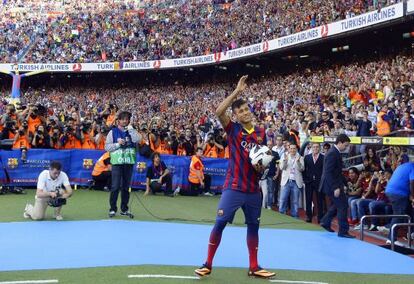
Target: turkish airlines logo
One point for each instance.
(324, 30)
(157, 64)
(265, 46)
(77, 67)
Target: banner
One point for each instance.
(78, 164)
(410, 6)
(368, 19)
(358, 22)
(369, 140)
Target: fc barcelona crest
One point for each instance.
(87, 164)
(141, 166)
(12, 163)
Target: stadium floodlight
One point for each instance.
(335, 49)
(304, 56)
(346, 47)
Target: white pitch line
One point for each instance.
(297, 282)
(30, 281)
(162, 276)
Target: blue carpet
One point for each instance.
(52, 245)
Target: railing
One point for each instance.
(394, 228)
(389, 216)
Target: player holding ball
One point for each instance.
(241, 188)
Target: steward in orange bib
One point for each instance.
(199, 182)
(101, 173)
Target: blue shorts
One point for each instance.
(232, 200)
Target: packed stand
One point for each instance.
(80, 31)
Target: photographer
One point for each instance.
(10, 115)
(71, 138)
(157, 137)
(157, 175)
(85, 132)
(121, 143)
(101, 131)
(22, 140)
(9, 130)
(188, 142)
(33, 117)
(55, 135)
(41, 139)
(211, 148)
(53, 189)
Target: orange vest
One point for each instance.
(110, 120)
(87, 143)
(22, 142)
(211, 151)
(162, 148)
(383, 127)
(33, 123)
(226, 153)
(100, 166)
(192, 177)
(72, 143)
(101, 143)
(181, 151)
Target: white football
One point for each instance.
(260, 155)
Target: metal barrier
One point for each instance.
(393, 229)
(365, 217)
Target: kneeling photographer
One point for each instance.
(53, 189)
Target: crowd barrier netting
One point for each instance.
(78, 164)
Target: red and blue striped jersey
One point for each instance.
(240, 173)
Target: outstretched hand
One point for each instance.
(241, 85)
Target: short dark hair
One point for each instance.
(155, 154)
(355, 170)
(199, 148)
(124, 114)
(55, 165)
(342, 138)
(237, 104)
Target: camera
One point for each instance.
(56, 202)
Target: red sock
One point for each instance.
(214, 242)
(253, 244)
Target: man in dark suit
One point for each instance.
(312, 178)
(333, 185)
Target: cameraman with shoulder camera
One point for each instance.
(121, 143)
(53, 188)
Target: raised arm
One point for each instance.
(6, 72)
(28, 74)
(224, 105)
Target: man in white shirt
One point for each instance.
(292, 166)
(52, 183)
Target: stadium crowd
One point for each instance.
(51, 32)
